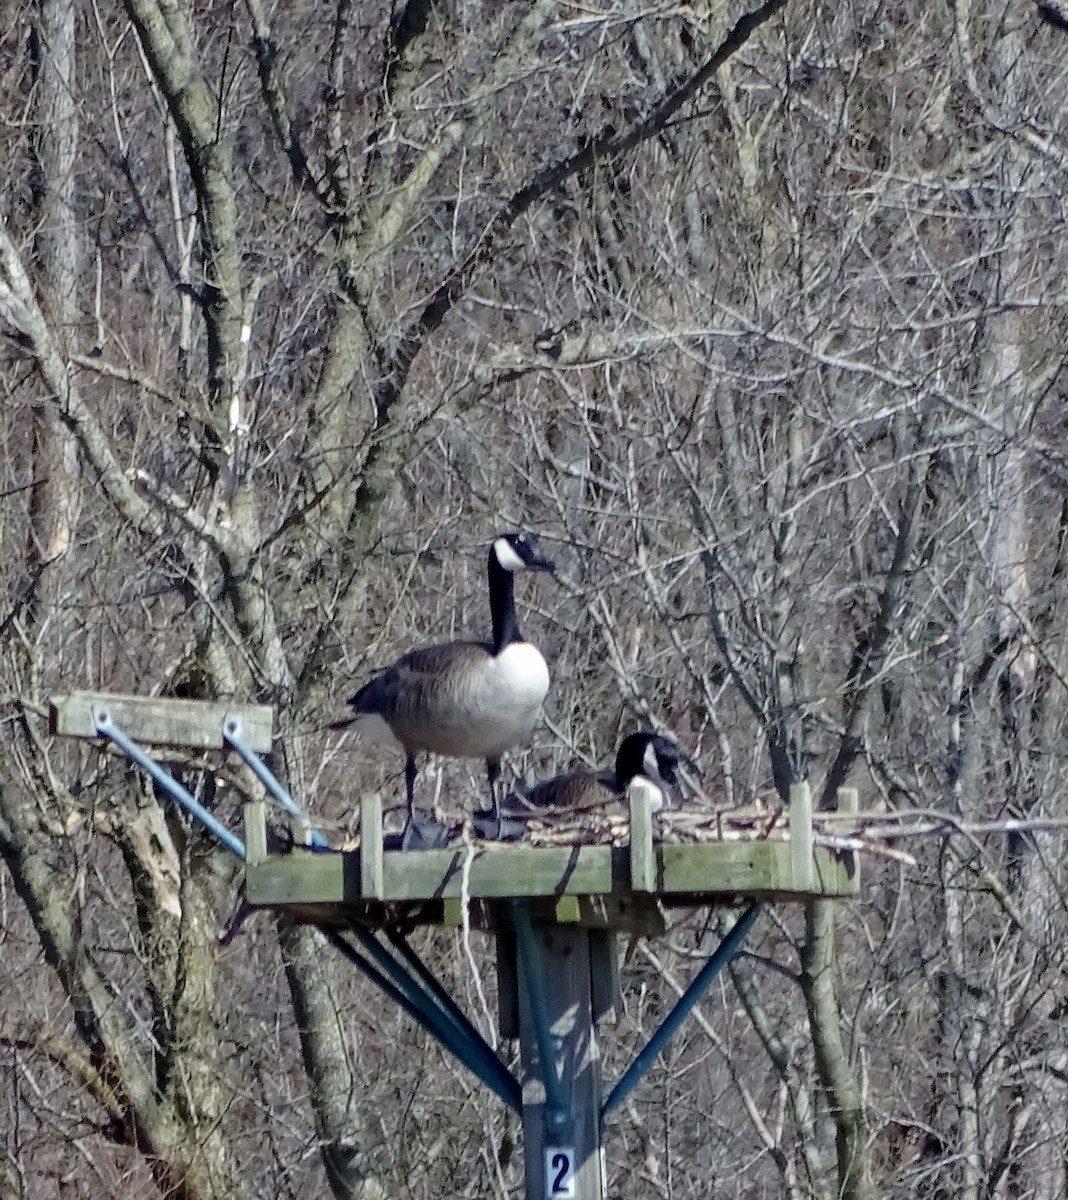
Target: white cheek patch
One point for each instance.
(507, 557)
(640, 786)
(650, 763)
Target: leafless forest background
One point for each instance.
(762, 325)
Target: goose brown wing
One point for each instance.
(573, 790)
(419, 675)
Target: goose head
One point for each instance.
(651, 760)
(520, 551)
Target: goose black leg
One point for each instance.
(421, 832)
(493, 774)
(410, 771)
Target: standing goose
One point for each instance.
(463, 699)
(647, 759)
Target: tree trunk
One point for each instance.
(56, 500)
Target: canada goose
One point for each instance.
(645, 758)
(463, 699)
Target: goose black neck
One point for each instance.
(502, 605)
(629, 762)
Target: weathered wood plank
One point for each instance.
(195, 724)
(738, 867)
(304, 877)
(497, 871)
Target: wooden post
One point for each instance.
(801, 837)
(372, 883)
(565, 1163)
(849, 802)
(642, 853)
(255, 816)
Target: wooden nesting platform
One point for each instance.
(624, 886)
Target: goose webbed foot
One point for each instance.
(492, 826)
(424, 833)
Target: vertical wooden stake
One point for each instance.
(642, 855)
(848, 802)
(255, 818)
(300, 828)
(801, 837)
(372, 867)
(566, 1163)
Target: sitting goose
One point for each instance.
(463, 699)
(646, 759)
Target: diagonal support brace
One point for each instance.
(232, 737)
(406, 993)
(723, 954)
(438, 1013)
(105, 727)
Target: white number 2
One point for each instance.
(559, 1173)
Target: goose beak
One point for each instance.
(537, 559)
(690, 765)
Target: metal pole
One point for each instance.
(561, 1062)
(532, 981)
(724, 952)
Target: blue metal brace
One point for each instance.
(107, 728)
(439, 1014)
(231, 735)
(723, 954)
(459, 1017)
(407, 995)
